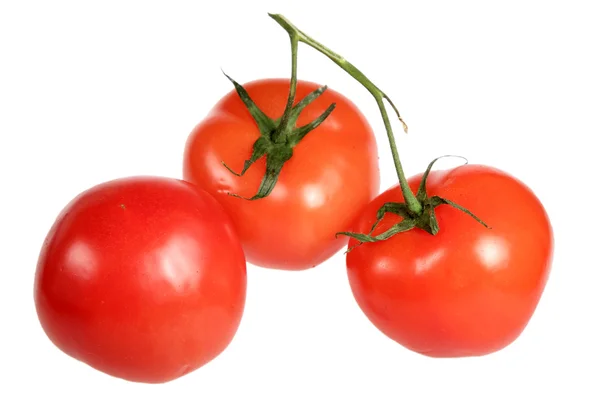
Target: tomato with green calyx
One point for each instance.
(291, 174)
(451, 263)
(142, 278)
(467, 290)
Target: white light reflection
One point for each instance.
(176, 263)
(313, 196)
(493, 252)
(80, 260)
(424, 264)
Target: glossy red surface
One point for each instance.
(142, 278)
(332, 175)
(468, 290)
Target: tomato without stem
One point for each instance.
(142, 278)
(468, 290)
(332, 174)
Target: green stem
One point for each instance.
(297, 35)
(279, 134)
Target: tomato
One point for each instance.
(332, 174)
(142, 278)
(468, 290)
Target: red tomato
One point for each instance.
(142, 278)
(332, 174)
(468, 290)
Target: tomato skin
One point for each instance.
(333, 174)
(468, 291)
(142, 278)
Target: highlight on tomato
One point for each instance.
(142, 278)
(448, 263)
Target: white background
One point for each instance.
(91, 92)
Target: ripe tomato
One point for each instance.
(142, 278)
(332, 174)
(468, 290)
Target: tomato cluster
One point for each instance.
(144, 278)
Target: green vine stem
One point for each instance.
(417, 211)
(296, 35)
(285, 119)
(277, 137)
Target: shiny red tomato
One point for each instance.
(332, 174)
(468, 290)
(142, 278)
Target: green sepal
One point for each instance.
(312, 96)
(426, 220)
(437, 201)
(275, 161)
(422, 192)
(402, 226)
(299, 133)
(269, 144)
(259, 149)
(265, 124)
(399, 209)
